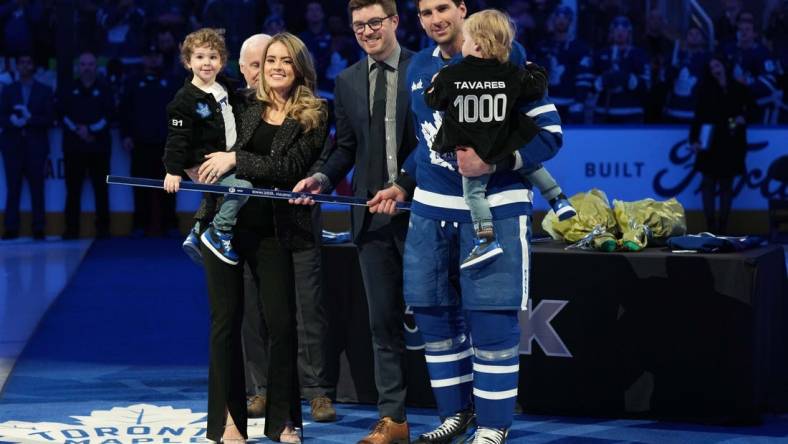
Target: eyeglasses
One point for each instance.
(374, 24)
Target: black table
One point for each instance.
(693, 336)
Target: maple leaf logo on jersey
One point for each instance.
(415, 86)
(135, 423)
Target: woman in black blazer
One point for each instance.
(280, 135)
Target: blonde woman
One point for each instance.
(280, 135)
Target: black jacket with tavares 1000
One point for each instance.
(479, 97)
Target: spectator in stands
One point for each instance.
(86, 111)
(318, 41)
(19, 19)
(238, 18)
(88, 32)
(520, 12)
(541, 12)
(171, 58)
(273, 25)
(569, 64)
(658, 46)
(723, 104)
(754, 66)
(623, 77)
(687, 66)
(172, 14)
(777, 33)
(26, 114)
(595, 15)
(343, 53)
(124, 25)
(143, 128)
(725, 27)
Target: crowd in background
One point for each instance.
(610, 61)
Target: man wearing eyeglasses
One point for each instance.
(375, 133)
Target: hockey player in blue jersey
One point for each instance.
(452, 306)
(478, 96)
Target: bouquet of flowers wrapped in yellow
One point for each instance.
(629, 226)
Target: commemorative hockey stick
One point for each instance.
(243, 191)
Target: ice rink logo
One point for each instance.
(139, 423)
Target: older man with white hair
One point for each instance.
(251, 58)
(313, 350)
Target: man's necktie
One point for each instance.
(377, 131)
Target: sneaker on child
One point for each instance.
(220, 243)
(486, 249)
(191, 246)
(562, 207)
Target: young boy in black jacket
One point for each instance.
(201, 121)
(480, 96)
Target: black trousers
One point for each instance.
(316, 358)
(272, 269)
(380, 248)
(94, 166)
(146, 162)
(710, 187)
(24, 161)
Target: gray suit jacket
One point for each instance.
(351, 107)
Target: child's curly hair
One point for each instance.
(205, 37)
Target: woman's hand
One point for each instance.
(216, 165)
(172, 183)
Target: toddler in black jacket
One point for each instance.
(201, 121)
(480, 96)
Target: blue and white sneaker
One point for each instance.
(220, 243)
(486, 249)
(562, 207)
(191, 246)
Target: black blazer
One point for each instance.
(351, 108)
(293, 152)
(42, 116)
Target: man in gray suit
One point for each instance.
(374, 133)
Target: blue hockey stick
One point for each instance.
(242, 191)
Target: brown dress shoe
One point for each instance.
(255, 408)
(386, 431)
(322, 410)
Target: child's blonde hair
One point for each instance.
(493, 31)
(205, 37)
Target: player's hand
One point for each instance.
(385, 200)
(308, 185)
(470, 164)
(172, 183)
